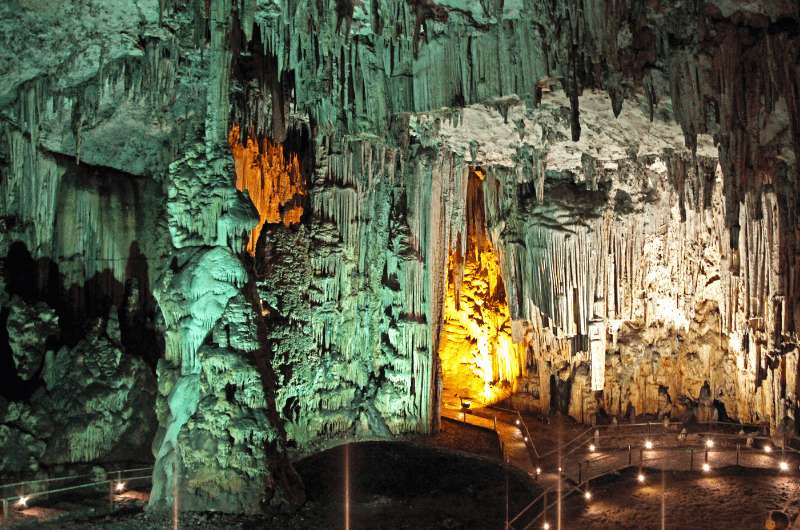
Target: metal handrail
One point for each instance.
(71, 477)
(70, 488)
(715, 434)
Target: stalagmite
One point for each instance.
(313, 221)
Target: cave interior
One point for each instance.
(236, 234)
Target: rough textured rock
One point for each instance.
(28, 329)
(640, 195)
(97, 405)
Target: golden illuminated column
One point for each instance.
(274, 183)
(479, 359)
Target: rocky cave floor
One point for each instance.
(435, 483)
(731, 499)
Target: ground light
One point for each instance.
(709, 443)
(538, 471)
(546, 525)
(767, 449)
(587, 495)
(120, 486)
(592, 448)
(516, 422)
(526, 439)
(22, 502)
(706, 467)
(784, 466)
(648, 444)
(640, 478)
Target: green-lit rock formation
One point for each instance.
(640, 189)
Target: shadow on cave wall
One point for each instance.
(78, 307)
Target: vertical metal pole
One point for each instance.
(663, 498)
(6, 513)
(706, 455)
(630, 457)
(691, 459)
(580, 472)
(544, 506)
(738, 449)
(641, 455)
(506, 468)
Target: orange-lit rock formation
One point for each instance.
(274, 183)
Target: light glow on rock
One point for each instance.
(478, 356)
(273, 181)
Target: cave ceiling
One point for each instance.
(265, 206)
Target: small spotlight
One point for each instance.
(22, 502)
(120, 486)
(538, 471)
(640, 478)
(526, 439)
(587, 495)
(648, 444)
(706, 467)
(767, 449)
(560, 469)
(783, 466)
(709, 443)
(546, 525)
(516, 422)
(592, 448)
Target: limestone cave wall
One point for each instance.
(239, 215)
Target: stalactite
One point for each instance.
(273, 181)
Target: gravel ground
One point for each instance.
(730, 499)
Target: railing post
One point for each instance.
(738, 448)
(630, 457)
(706, 456)
(641, 455)
(691, 459)
(110, 494)
(6, 513)
(544, 506)
(580, 472)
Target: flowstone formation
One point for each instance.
(274, 199)
(478, 357)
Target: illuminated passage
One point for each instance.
(479, 360)
(274, 183)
